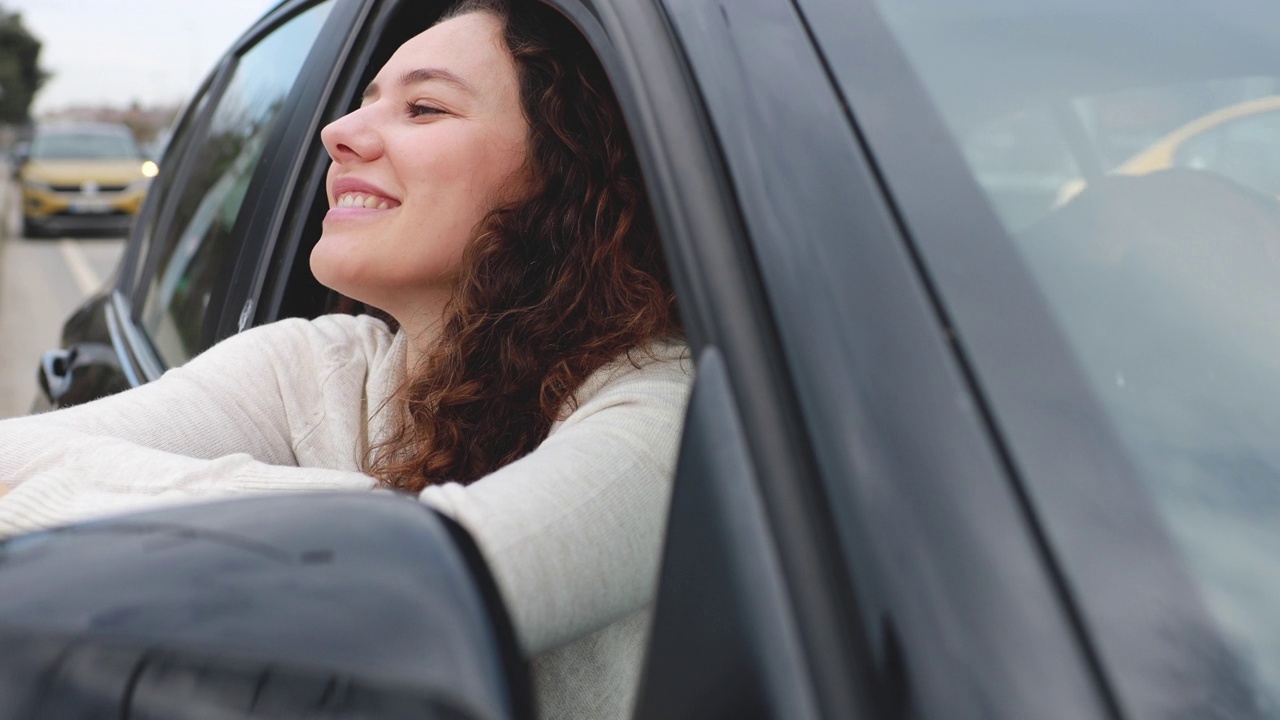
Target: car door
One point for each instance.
(845, 538)
(726, 603)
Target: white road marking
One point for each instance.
(86, 279)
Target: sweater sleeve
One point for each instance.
(573, 531)
(227, 422)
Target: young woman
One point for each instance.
(531, 386)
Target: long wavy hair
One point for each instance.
(553, 287)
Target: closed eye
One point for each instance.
(418, 110)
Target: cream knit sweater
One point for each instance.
(572, 531)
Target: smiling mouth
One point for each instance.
(363, 200)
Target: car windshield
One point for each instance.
(1131, 149)
(83, 146)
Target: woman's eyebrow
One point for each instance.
(420, 75)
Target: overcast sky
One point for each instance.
(116, 51)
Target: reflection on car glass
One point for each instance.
(177, 302)
(1138, 173)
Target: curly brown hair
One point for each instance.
(554, 286)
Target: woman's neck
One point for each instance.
(420, 340)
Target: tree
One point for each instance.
(20, 73)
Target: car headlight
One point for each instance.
(36, 185)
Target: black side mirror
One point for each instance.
(317, 606)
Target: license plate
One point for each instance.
(90, 205)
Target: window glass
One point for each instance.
(1024, 161)
(1157, 247)
(179, 293)
(160, 190)
(1246, 149)
(84, 146)
(1031, 161)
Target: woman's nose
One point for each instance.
(351, 138)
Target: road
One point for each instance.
(41, 283)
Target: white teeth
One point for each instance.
(372, 202)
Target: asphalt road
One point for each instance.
(41, 283)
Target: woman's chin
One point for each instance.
(330, 268)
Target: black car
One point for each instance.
(986, 421)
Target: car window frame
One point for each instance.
(133, 342)
(173, 164)
(715, 270)
(197, 119)
(277, 220)
(187, 147)
(280, 284)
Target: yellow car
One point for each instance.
(1225, 140)
(78, 177)
(1237, 142)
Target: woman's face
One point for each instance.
(437, 142)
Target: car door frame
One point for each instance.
(261, 214)
(840, 487)
(722, 308)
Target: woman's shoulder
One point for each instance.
(353, 345)
(342, 327)
(365, 331)
(660, 370)
(334, 329)
(323, 335)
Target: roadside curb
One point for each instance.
(6, 193)
(10, 204)
(7, 207)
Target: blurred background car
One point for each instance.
(82, 176)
